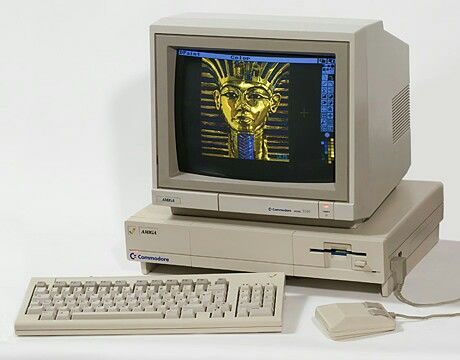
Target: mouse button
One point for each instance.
(330, 315)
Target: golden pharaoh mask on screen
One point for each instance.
(246, 95)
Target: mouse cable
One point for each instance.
(423, 317)
(399, 270)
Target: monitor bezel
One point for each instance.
(163, 87)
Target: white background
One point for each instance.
(75, 163)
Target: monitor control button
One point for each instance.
(326, 210)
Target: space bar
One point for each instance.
(117, 315)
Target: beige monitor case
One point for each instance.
(372, 118)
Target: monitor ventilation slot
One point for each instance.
(400, 109)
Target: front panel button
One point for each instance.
(326, 210)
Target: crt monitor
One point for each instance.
(300, 120)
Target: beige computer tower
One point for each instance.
(406, 224)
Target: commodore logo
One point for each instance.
(279, 209)
(134, 256)
(131, 230)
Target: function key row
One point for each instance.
(124, 283)
(119, 286)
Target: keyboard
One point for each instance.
(211, 303)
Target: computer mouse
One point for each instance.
(348, 320)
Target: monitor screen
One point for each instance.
(255, 116)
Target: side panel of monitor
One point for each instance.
(380, 68)
(168, 174)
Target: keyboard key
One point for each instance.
(170, 283)
(49, 307)
(200, 289)
(187, 289)
(60, 284)
(42, 297)
(105, 284)
(182, 302)
(126, 290)
(78, 291)
(141, 284)
(35, 303)
(35, 309)
(217, 313)
(194, 301)
(40, 290)
(260, 312)
(63, 315)
(226, 307)
(203, 315)
(162, 290)
(242, 312)
(95, 304)
(120, 284)
(58, 303)
(245, 287)
(249, 306)
(194, 307)
(48, 315)
(90, 284)
(155, 284)
(219, 298)
(172, 314)
(75, 309)
(74, 284)
(174, 289)
(203, 283)
(162, 309)
(187, 314)
(117, 315)
(41, 284)
(185, 282)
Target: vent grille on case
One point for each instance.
(400, 109)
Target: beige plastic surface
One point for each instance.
(186, 199)
(31, 325)
(343, 321)
(407, 223)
